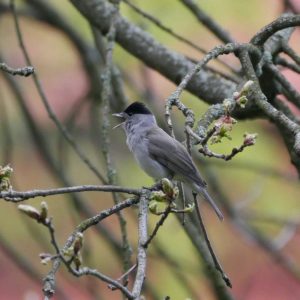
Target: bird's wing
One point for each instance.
(173, 155)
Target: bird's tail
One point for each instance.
(212, 203)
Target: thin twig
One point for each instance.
(179, 37)
(226, 157)
(290, 92)
(69, 138)
(159, 24)
(49, 280)
(92, 272)
(25, 265)
(105, 139)
(6, 132)
(78, 202)
(161, 221)
(208, 22)
(250, 231)
(211, 250)
(16, 196)
(291, 53)
(25, 71)
(124, 276)
(285, 63)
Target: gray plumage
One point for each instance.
(158, 154)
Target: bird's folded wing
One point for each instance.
(173, 155)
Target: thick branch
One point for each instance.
(142, 255)
(290, 128)
(139, 43)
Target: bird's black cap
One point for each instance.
(137, 108)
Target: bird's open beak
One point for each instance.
(119, 115)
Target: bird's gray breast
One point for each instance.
(138, 144)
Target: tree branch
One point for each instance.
(208, 22)
(142, 255)
(68, 137)
(174, 66)
(281, 23)
(49, 280)
(15, 196)
(25, 71)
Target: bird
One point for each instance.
(159, 154)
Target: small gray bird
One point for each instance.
(158, 154)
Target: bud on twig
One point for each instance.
(44, 211)
(158, 196)
(74, 250)
(78, 243)
(227, 103)
(78, 261)
(189, 208)
(242, 101)
(45, 258)
(5, 173)
(30, 211)
(167, 187)
(223, 126)
(250, 138)
(153, 207)
(241, 97)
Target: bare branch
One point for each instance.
(159, 24)
(291, 53)
(173, 99)
(49, 280)
(261, 100)
(249, 231)
(25, 71)
(164, 216)
(143, 46)
(208, 22)
(15, 196)
(142, 255)
(226, 157)
(69, 138)
(107, 79)
(288, 90)
(209, 246)
(279, 24)
(283, 62)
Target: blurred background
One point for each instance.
(261, 183)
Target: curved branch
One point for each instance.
(279, 24)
